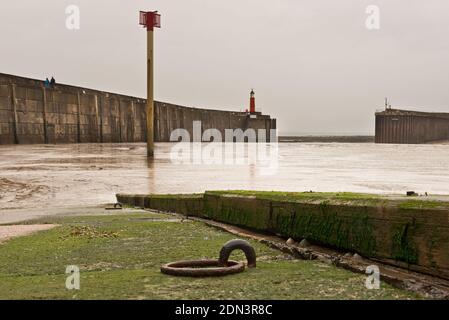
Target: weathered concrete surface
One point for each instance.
(31, 113)
(411, 127)
(412, 234)
(169, 117)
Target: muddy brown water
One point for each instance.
(53, 176)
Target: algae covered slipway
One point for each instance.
(119, 256)
(411, 234)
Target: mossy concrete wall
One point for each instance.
(183, 204)
(416, 238)
(31, 113)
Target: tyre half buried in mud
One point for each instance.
(213, 267)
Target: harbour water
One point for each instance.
(91, 174)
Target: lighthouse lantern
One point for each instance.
(252, 102)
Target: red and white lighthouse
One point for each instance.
(252, 102)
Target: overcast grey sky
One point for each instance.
(313, 63)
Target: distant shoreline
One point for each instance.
(341, 139)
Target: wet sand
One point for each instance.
(8, 232)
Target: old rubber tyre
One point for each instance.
(201, 268)
(236, 244)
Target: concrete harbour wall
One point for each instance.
(31, 113)
(411, 127)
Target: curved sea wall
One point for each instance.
(32, 113)
(412, 234)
